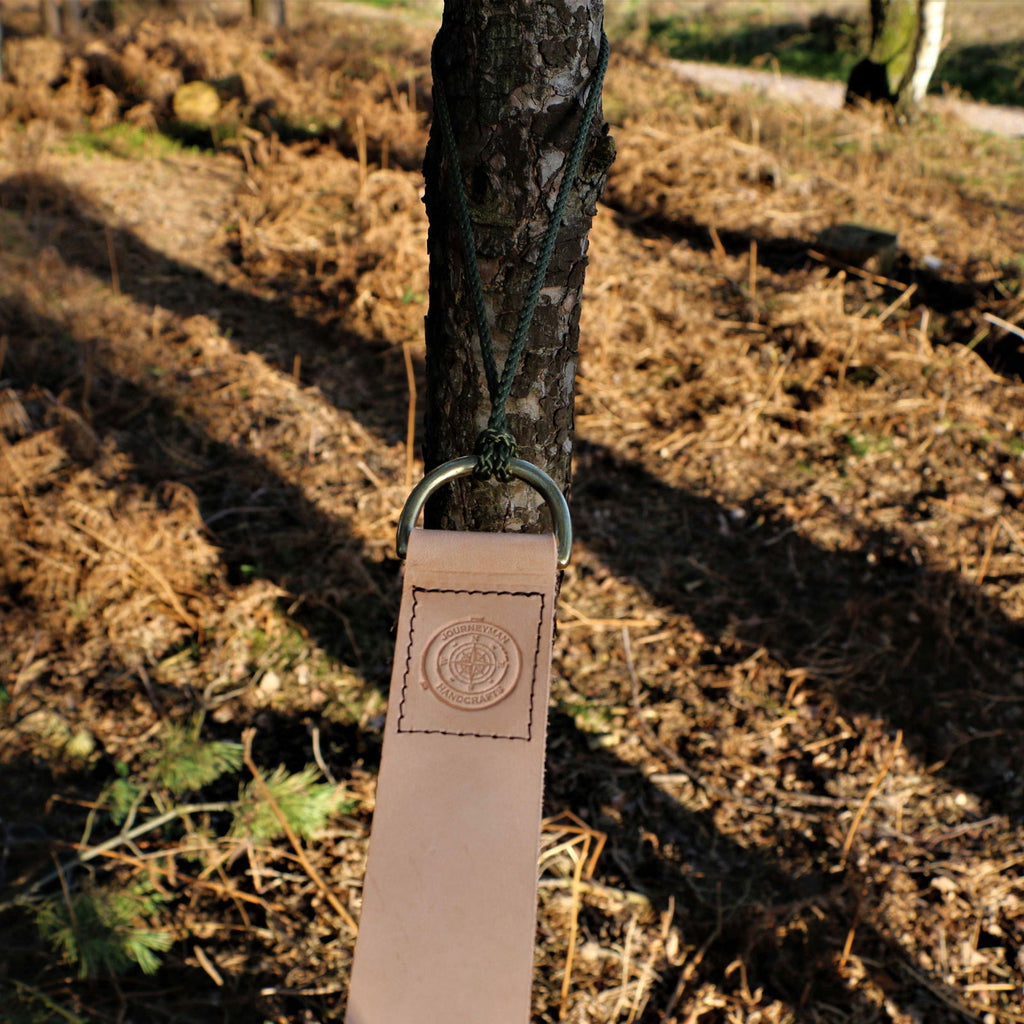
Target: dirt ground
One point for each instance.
(789, 677)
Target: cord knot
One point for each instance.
(495, 449)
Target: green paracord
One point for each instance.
(496, 446)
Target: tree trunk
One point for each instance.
(515, 78)
(906, 38)
(50, 12)
(72, 17)
(269, 12)
(932, 36)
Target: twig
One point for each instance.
(121, 839)
(717, 243)
(643, 985)
(896, 303)
(574, 929)
(690, 967)
(998, 321)
(235, 895)
(370, 475)
(868, 797)
(857, 271)
(1012, 534)
(922, 330)
(34, 993)
(852, 933)
(320, 990)
(224, 888)
(584, 866)
(261, 785)
(585, 620)
(952, 999)
(987, 556)
(599, 625)
(410, 421)
(319, 757)
(207, 965)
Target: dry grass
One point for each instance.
(789, 684)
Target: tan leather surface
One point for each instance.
(447, 929)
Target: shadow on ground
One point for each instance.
(924, 650)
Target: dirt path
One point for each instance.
(797, 89)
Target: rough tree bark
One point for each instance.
(906, 39)
(515, 76)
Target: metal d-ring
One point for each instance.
(520, 468)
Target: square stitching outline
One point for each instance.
(416, 592)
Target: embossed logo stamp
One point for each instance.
(471, 664)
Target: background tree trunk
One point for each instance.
(50, 12)
(515, 77)
(269, 12)
(931, 37)
(72, 17)
(906, 39)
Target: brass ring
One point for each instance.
(520, 468)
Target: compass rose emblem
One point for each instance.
(471, 665)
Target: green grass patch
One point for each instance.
(824, 47)
(128, 141)
(868, 444)
(993, 72)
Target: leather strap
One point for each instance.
(448, 922)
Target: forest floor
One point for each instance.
(789, 670)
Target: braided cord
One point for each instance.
(496, 446)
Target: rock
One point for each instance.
(196, 103)
(81, 745)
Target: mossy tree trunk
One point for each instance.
(906, 39)
(515, 76)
